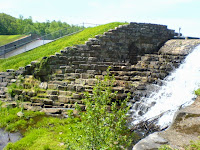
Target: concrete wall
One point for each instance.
(16, 44)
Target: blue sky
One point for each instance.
(174, 13)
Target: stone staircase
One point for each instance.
(67, 83)
(72, 75)
(131, 51)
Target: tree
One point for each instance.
(10, 25)
(7, 24)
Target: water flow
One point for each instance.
(177, 92)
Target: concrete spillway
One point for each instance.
(26, 47)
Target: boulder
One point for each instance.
(151, 142)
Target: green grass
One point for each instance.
(39, 131)
(5, 39)
(24, 59)
(47, 134)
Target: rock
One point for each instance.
(151, 142)
(20, 114)
(43, 85)
(185, 127)
(52, 110)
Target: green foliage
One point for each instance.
(11, 122)
(7, 24)
(195, 145)
(165, 147)
(10, 25)
(47, 133)
(15, 86)
(101, 126)
(5, 39)
(24, 59)
(197, 92)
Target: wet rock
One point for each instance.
(151, 142)
(6, 137)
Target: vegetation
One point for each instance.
(11, 26)
(195, 145)
(99, 127)
(103, 125)
(5, 39)
(197, 92)
(11, 122)
(49, 49)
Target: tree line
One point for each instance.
(11, 26)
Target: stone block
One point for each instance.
(85, 66)
(52, 92)
(52, 110)
(87, 76)
(48, 102)
(53, 86)
(53, 97)
(76, 96)
(71, 87)
(64, 88)
(80, 88)
(91, 82)
(79, 70)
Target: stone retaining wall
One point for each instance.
(131, 51)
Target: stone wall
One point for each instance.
(130, 50)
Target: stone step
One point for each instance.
(89, 90)
(40, 101)
(64, 99)
(62, 83)
(47, 106)
(64, 93)
(52, 92)
(2, 96)
(53, 110)
(53, 86)
(42, 96)
(63, 88)
(53, 97)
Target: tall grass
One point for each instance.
(24, 59)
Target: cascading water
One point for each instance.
(178, 91)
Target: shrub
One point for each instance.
(103, 125)
(197, 92)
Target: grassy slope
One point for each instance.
(49, 49)
(5, 39)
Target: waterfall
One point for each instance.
(176, 92)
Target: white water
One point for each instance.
(177, 92)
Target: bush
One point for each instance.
(103, 125)
(197, 92)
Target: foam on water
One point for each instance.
(177, 92)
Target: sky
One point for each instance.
(175, 14)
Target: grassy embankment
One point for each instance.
(24, 59)
(5, 39)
